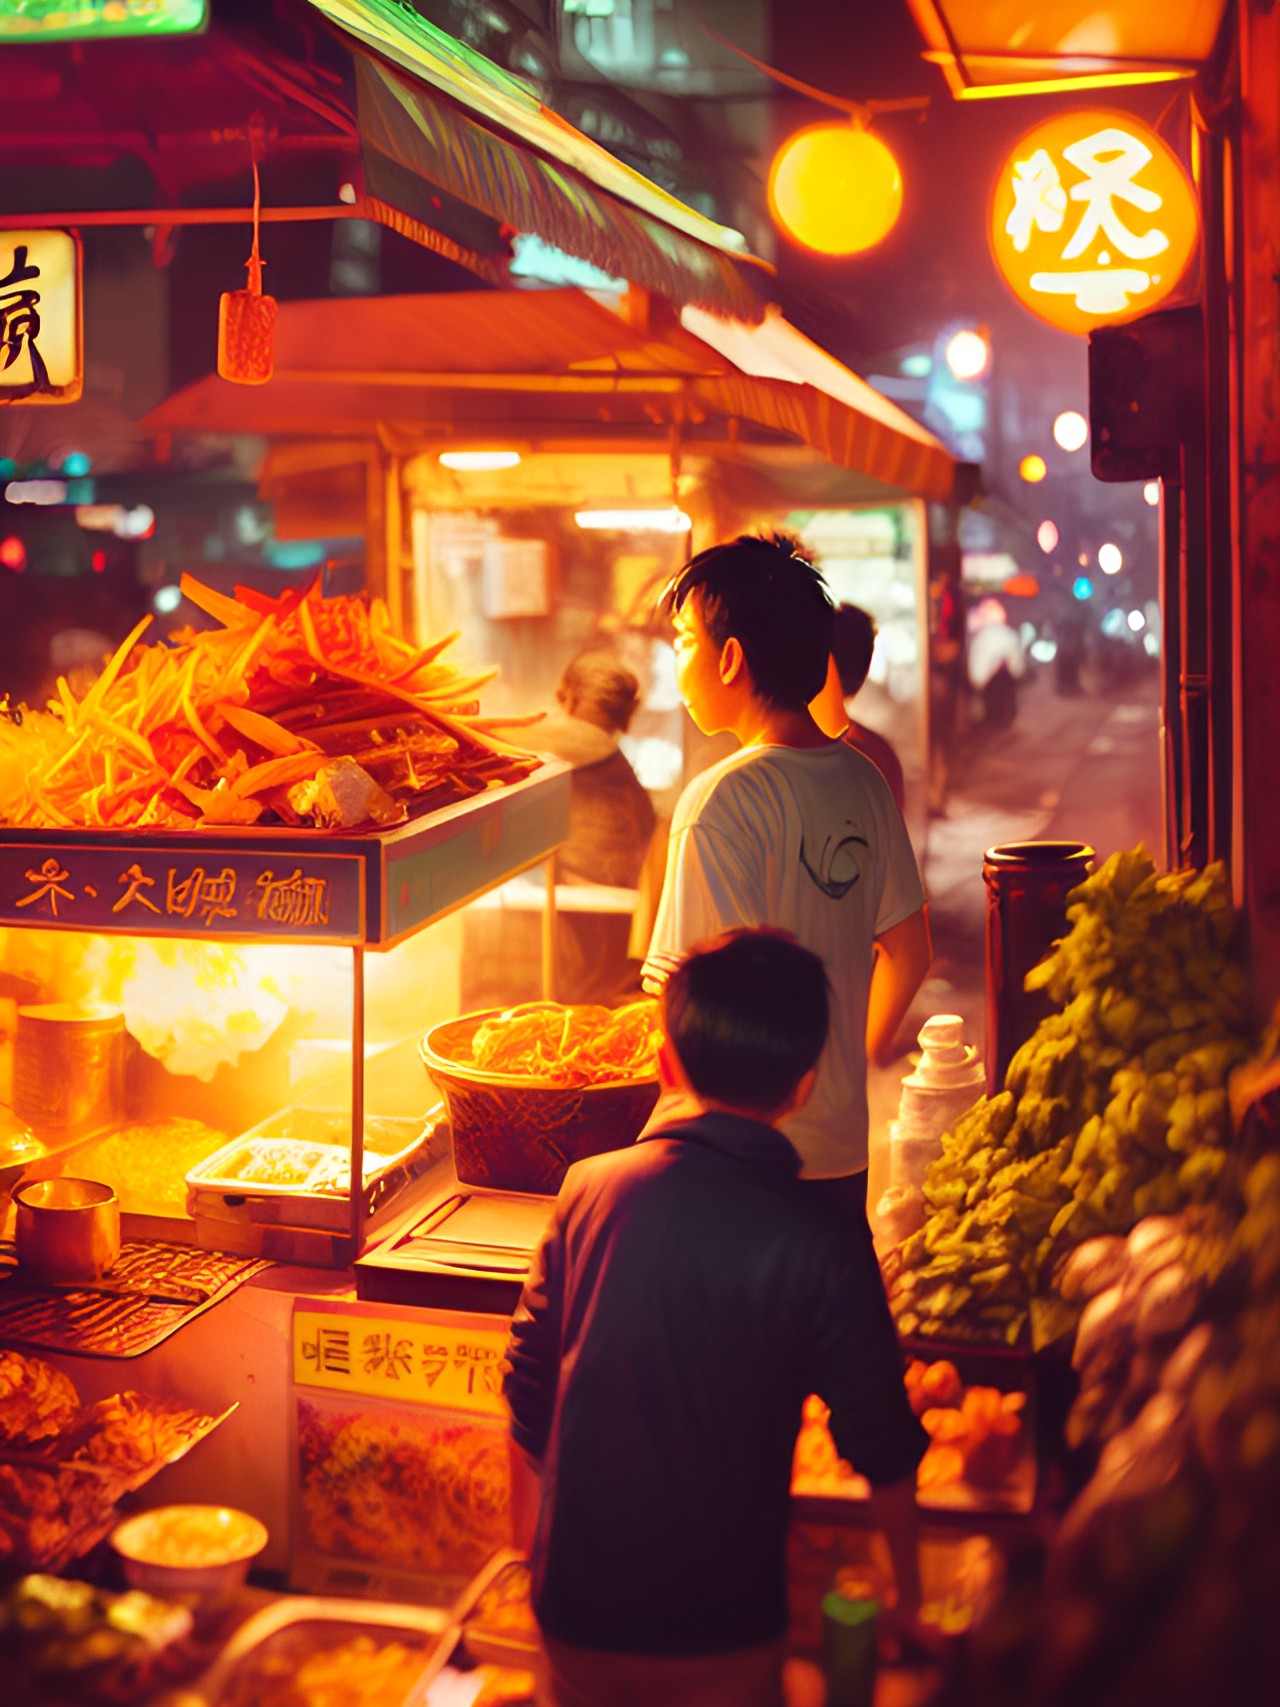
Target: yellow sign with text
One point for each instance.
(40, 349)
(397, 1358)
(1093, 220)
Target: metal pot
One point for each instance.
(67, 1229)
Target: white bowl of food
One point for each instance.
(203, 1550)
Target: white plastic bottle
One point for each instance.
(948, 1080)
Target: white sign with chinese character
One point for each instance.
(40, 347)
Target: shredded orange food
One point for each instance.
(218, 726)
(574, 1045)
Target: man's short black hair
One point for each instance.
(766, 593)
(747, 1017)
(853, 642)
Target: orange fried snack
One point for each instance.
(983, 1430)
(570, 1045)
(223, 725)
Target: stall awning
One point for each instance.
(452, 121)
(457, 154)
(991, 48)
(558, 366)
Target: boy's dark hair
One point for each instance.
(853, 641)
(768, 595)
(747, 1017)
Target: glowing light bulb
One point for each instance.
(835, 188)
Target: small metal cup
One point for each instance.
(67, 1229)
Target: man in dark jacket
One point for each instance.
(689, 1295)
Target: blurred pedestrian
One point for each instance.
(852, 645)
(996, 663)
(611, 823)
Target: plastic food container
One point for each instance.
(518, 1134)
(203, 1550)
(67, 1229)
(327, 1650)
(496, 1618)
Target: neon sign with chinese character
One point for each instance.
(65, 20)
(310, 898)
(40, 355)
(1093, 220)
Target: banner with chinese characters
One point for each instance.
(1093, 220)
(80, 20)
(410, 1359)
(153, 891)
(40, 342)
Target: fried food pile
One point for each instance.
(574, 1045)
(36, 1400)
(298, 710)
(63, 1641)
(975, 1435)
(306, 1669)
(973, 1431)
(63, 1465)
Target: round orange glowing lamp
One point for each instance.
(835, 188)
(1032, 469)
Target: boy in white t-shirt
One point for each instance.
(795, 830)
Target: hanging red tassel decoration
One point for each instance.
(247, 320)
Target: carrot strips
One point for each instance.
(219, 723)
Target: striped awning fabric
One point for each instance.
(434, 116)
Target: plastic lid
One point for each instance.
(947, 1062)
(942, 1031)
(842, 1610)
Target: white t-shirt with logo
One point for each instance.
(807, 839)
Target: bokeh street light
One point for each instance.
(968, 353)
(1110, 559)
(1070, 429)
(1032, 469)
(1047, 536)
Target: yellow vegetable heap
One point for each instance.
(296, 710)
(1115, 1109)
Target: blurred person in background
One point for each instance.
(611, 818)
(611, 823)
(852, 644)
(611, 829)
(996, 663)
